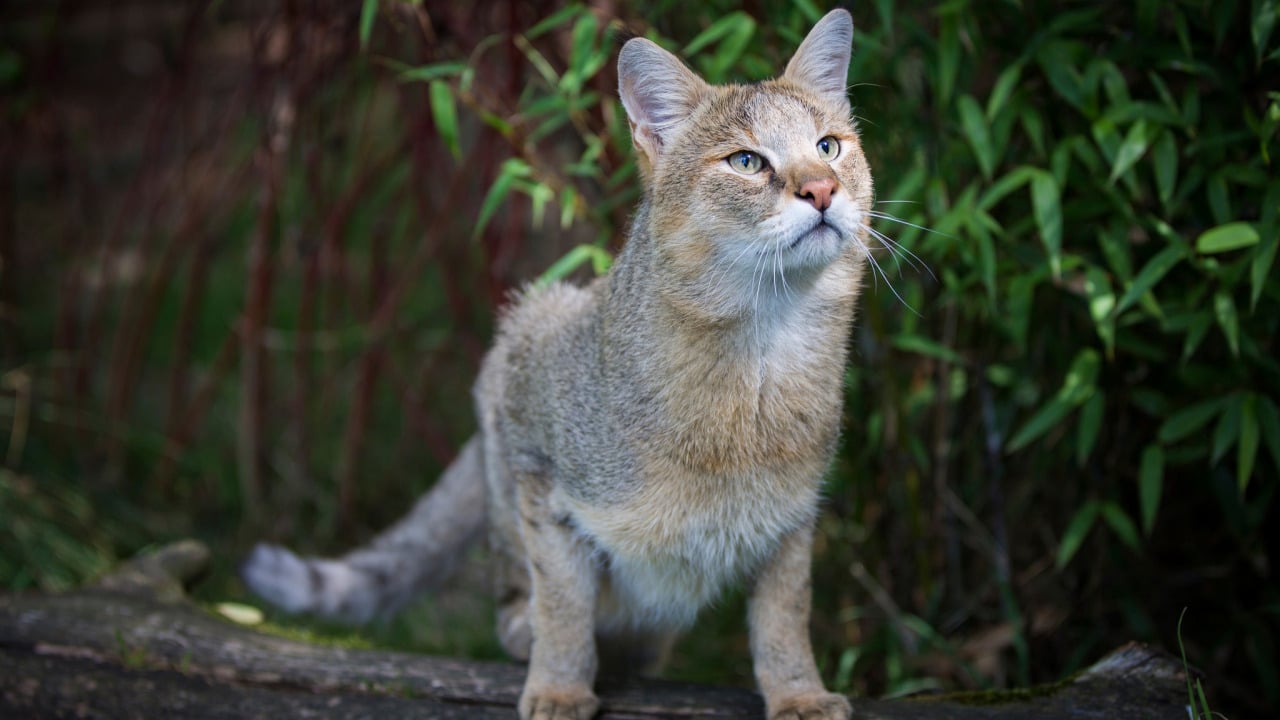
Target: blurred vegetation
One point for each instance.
(249, 256)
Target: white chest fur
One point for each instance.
(675, 547)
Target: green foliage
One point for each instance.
(1106, 208)
(1062, 421)
(52, 537)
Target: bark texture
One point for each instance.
(132, 646)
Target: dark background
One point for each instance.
(250, 254)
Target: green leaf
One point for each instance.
(1224, 309)
(974, 124)
(1165, 158)
(1149, 275)
(716, 30)
(1097, 289)
(539, 195)
(434, 71)
(1046, 202)
(1121, 525)
(1247, 448)
(1265, 13)
(1197, 329)
(368, 12)
(1004, 87)
(512, 169)
(1077, 387)
(568, 206)
(1007, 183)
(731, 48)
(1189, 419)
(572, 260)
(928, 348)
(1077, 530)
(1131, 149)
(1219, 197)
(1260, 268)
(555, 19)
(1224, 238)
(445, 115)
(1089, 425)
(1150, 485)
(1227, 430)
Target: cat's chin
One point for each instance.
(818, 246)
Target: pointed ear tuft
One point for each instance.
(822, 61)
(658, 92)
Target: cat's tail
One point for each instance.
(414, 555)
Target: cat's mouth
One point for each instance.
(821, 230)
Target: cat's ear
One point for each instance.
(658, 92)
(822, 61)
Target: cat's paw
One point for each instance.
(558, 703)
(816, 705)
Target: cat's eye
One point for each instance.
(828, 148)
(746, 162)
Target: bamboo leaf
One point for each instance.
(1077, 387)
(1225, 238)
(1097, 290)
(555, 19)
(716, 30)
(1149, 275)
(1121, 525)
(1007, 183)
(368, 13)
(445, 115)
(1265, 14)
(1076, 532)
(1089, 425)
(1227, 431)
(974, 124)
(1260, 267)
(1189, 419)
(512, 169)
(928, 348)
(1247, 447)
(1165, 159)
(1046, 202)
(1224, 309)
(1132, 148)
(434, 71)
(1003, 88)
(572, 260)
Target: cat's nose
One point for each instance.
(818, 192)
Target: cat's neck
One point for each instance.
(728, 382)
(745, 317)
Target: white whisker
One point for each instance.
(877, 269)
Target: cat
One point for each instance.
(662, 433)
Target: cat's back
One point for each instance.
(545, 340)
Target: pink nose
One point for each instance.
(818, 192)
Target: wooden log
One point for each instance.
(133, 646)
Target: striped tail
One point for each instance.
(413, 556)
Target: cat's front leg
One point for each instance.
(780, 648)
(562, 664)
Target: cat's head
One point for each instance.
(750, 180)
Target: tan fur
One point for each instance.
(656, 436)
(663, 432)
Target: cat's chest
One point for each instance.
(678, 543)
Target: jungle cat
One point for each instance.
(661, 433)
